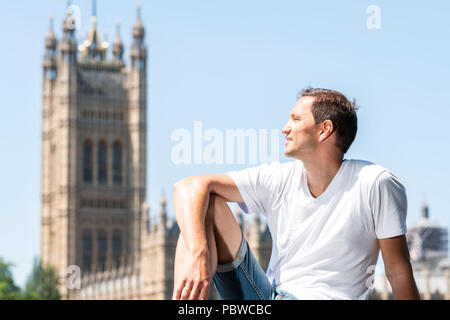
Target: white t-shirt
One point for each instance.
(324, 247)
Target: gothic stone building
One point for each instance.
(94, 215)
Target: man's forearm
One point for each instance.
(403, 286)
(191, 198)
(398, 267)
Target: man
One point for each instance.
(328, 217)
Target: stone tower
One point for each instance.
(94, 213)
(93, 151)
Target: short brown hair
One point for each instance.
(333, 105)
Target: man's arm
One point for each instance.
(398, 268)
(191, 198)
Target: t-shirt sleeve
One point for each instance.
(256, 186)
(388, 204)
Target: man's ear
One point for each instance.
(326, 129)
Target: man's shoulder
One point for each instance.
(366, 171)
(270, 169)
(281, 172)
(287, 165)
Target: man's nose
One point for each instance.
(286, 129)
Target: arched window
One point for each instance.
(101, 250)
(102, 166)
(117, 163)
(87, 161)
(87, 250)
(117, 248)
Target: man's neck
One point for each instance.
(320, 171)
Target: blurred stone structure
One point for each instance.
(94, 214)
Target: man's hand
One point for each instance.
(195, 278)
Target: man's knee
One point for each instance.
(225, 228)
(216, 202)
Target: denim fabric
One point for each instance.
(244, 279)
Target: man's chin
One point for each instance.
(288, 153)
(291, 153)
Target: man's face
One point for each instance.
(301, 130)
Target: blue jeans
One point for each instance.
(244, 279)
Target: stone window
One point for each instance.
(117, 248)
(117, 163)
(87, 250)
(102, 165)
(102, 250)
(87, 161)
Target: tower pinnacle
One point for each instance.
(425, 210)
(68, 42)
(138, 9)
(94, 8)
(138, 52)
(118, 45)
(50, 41)
(163, 213)
(49, 62)
(93, 48)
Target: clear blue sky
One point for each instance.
(239, 64)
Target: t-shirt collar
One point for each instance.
(328, 191)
